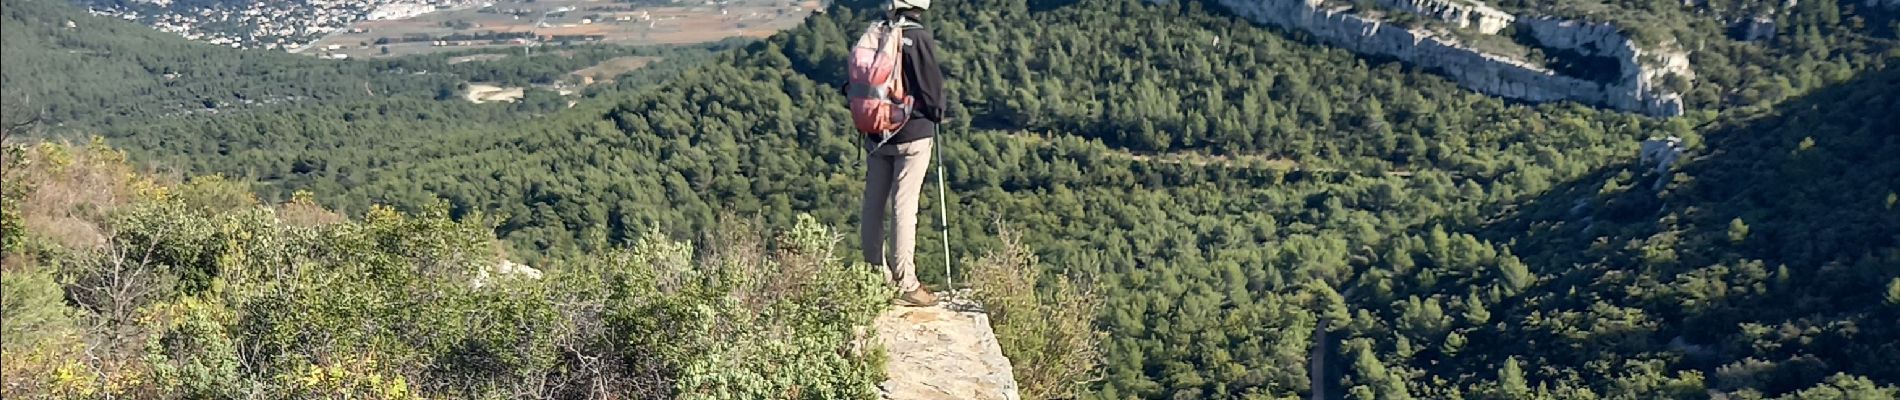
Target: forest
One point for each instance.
(1240, 202)
(105, 73)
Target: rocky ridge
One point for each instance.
(1638, 85)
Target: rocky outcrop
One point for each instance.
(1479, 17)
(504, 270)
(945, 352)
(1659, 155)
(1641, 73)
(1637, 85)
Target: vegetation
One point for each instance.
(103, 73)
(1739, 266)
(194, 290)
(1046, 326)
(1233, 203)
(1814, 44)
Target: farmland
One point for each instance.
(520, 23)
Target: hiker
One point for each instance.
(898, 158)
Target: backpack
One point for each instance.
(875, 82)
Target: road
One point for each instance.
(1316, 371)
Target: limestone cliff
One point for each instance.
(1474, 16)
(1637, 85)
(947, 352)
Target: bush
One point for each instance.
(1046, 326)
(735, 325)
(39, 341)
(198, 291)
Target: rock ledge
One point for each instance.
(943, 352)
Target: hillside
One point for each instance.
(1760, 264)
(1417, 219)
(1654, 57)
(100, 70)
(103, 73)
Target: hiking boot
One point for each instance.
(916, 298)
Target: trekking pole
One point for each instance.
(943, 221)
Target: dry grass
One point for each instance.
(302, 210)
(72, 188)
(1045, 326)
(760, 275)
(736, 244)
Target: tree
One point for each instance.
(1381, 384)
(1737, 231)
(1474, 311)
(1511, 380)
(1516, 276)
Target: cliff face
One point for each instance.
(1636, 86)
(1479, 17)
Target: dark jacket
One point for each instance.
(923, 81)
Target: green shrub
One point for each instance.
(197, 291)
(1046, 326)
(777, 327)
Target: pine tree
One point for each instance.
(1474, 310)
(1517, 276)
(1893, 292)
(1453, 343)
(1511, 380)
(1331, 306)
(1380, 383)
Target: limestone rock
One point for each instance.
(504, 270)
(944, 352)
(1636, 86)
(1477, 16)
(1659, 155)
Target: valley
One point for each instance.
(386, 28)
(1182, 199)
(508, 24)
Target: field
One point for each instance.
(609, 69)
(518, 23)
(480, 93)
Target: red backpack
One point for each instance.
(875, 81)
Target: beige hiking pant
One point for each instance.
(894, 178)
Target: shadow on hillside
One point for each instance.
(1786, 219)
